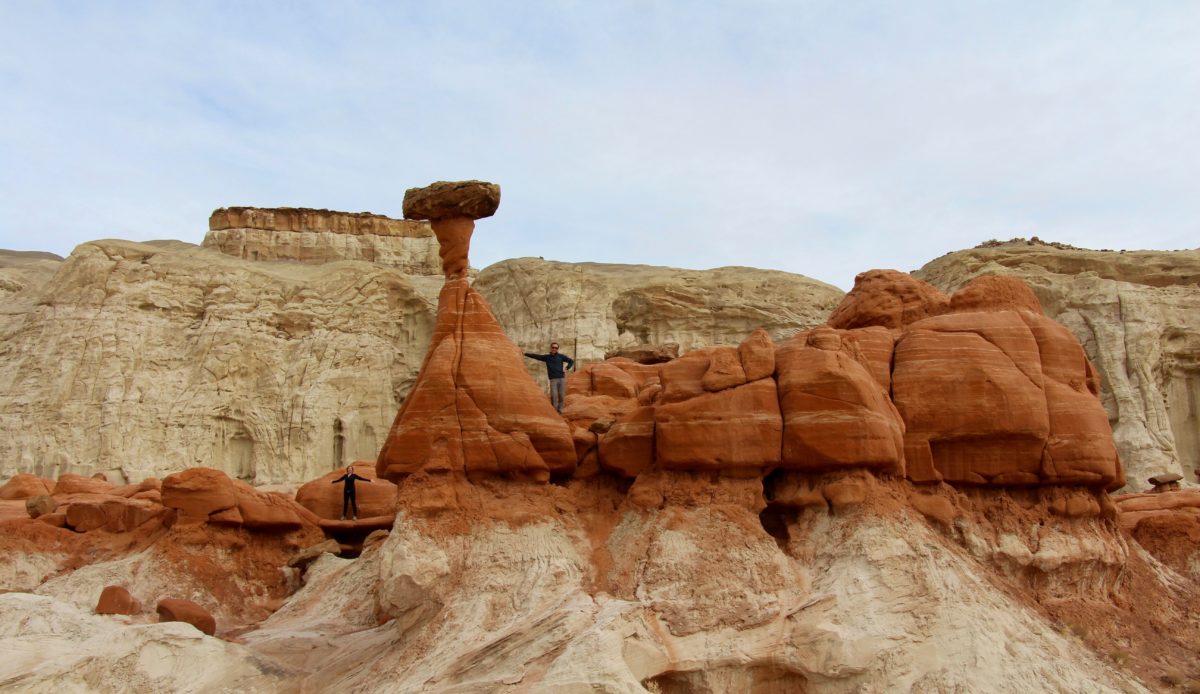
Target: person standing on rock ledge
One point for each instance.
(348, 500)
(554, 370)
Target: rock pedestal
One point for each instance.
(474, 409)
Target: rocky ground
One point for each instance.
(682, 581)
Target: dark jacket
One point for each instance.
(349, 489)
(554, 363)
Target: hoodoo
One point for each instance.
(473, 410)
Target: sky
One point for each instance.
(821, 138)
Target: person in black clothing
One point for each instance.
(554, 369)
(348, 500)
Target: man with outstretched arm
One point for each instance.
(554, 370)
(348, 500)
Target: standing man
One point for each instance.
(348, 500)
(554, 369)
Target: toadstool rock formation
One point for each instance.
(473, 410)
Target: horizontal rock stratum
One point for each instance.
(322, 236)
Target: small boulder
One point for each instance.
(375, 537)
(117, 600)
(40, 505)
(934, 507)
(1165, 478)
(308, 555)
(757, 354)
(177, 610)
(724, 370)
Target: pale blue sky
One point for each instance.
(819, 138)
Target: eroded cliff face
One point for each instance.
(147, 358)
(1137, 315)
(143, 359)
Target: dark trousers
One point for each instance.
(348, 501)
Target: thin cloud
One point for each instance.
(816, 138)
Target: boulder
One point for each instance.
(724, 370)
(177, 610)
(835, 414)
(308, 555)
(683, 378)
(40, 505)
(611, 380)
(268, 511)
(627, 447)
(323, 498)
(1005, 398)
(989, 293)
(970, 390)
(24, 485)
(452, 199)
(1137, 314)
(150, 484)
(738, 430)
(757, 355)
(889, 299)
(117, 600)
(198, 492)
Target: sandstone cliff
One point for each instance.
(1138, 316)
(138, 359)
(321, 236)
(148, 358)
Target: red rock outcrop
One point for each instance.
(24, 485)
(78, 484)
(474, 409)
(197, 493)
(323, 498)
(835, 413)
(1000, 394)
(177, 610)
(979, 388)
(888, 298)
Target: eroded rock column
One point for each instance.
(474, 410)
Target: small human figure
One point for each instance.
(348, 500)
(554, 370)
